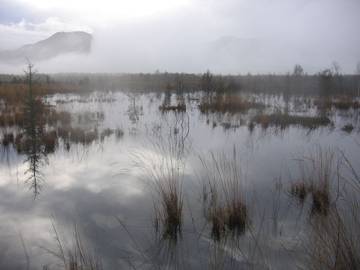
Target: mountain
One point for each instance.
(57, 44)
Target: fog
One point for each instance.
(230, 36)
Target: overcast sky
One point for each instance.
(227, 36)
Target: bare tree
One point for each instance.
(358, 73)
(358, 68)
(298, 70)
(336, 68)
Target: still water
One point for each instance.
(102, 190)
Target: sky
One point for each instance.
(228, 36)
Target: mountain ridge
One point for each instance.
(57, 44)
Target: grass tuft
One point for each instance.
(224, 202)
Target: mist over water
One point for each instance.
(225, 37)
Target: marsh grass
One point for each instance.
(7, 139)
(58, 117)
(228, 104)
(50, 141)
(300, 191)
(320, 174)
(180, 107)
(11, 117)
(17, 115)
(320, 201)
(167, 182)
(119, 133)
(340, 103)
(334, 242)
(171, 212)
(81, 136)
(164, 171)
(74, 256)
(106, 133)
(283, 120)
(14, 93)
(50, 138)
(348, 128)
(224, 202)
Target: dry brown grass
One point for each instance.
(14, 93)
(340, 103)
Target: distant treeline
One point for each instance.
(324, 83)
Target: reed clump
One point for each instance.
(334, 242)
(81, 136)
(299, 190)
(348, 128)
(50, 140)
(164, 172)
(54, 118)
(106, 133)
(181, 107)
(224, 203)
(227, 219)
(7, 139)
(172, 214)
(119, 133)
(317, 177)
(320, 201)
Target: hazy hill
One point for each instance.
(57, 44)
